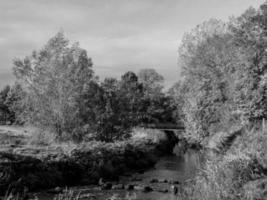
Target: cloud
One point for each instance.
(119, 35)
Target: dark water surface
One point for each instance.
(180, 166)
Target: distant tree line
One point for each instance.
(57, 90)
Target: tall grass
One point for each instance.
(236, 175)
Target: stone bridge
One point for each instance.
(171, 130)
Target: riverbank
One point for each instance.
(41, 167)
(162, 181)
(236, 167)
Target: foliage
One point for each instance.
(126, 105)
(131, 94)
(10, 104)
(54, 79)
(223, 86)
(160, 105)
(152, 82)
(177, 100)
(249, 35)
(203, 55)
(224, 74)
(67, 195)
(5, 114)
(15, 103)
(59, 93)
(239, 174)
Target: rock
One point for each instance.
(56, 190)
(118, 187)
(100, 182)
(138, 187)
(147, 189)
(174, 189)
(130, 187)
(154, 180)
(106, 186)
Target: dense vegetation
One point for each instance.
(223, 100)
(57, 90)
(224, 68)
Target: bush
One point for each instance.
(239, 174)
(220, 179)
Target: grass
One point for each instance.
(12, 197)
(237, 174)
(40, 144)
(67, 195)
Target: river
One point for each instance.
(179, 167)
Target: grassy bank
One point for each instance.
(46, 166)
(237, 169)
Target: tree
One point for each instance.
(224, 69)
(176, 92)
(208, 60)
(130, 96)
(109, 124)
(16, 105)
(54, 79)
(4, 109)
(249, 35)
(152, 82)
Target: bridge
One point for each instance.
(165, 126)
(172, 130)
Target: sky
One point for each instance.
(119, 35)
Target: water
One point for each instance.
(180, 166)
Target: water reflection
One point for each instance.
(180, 166)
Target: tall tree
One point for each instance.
(249, 35)
(4, 109)
(152, 82)
(54, 79)
(130, 95)
(17, 104)
(208, 59)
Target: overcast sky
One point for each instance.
(119, 35)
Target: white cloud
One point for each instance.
(120, 35)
